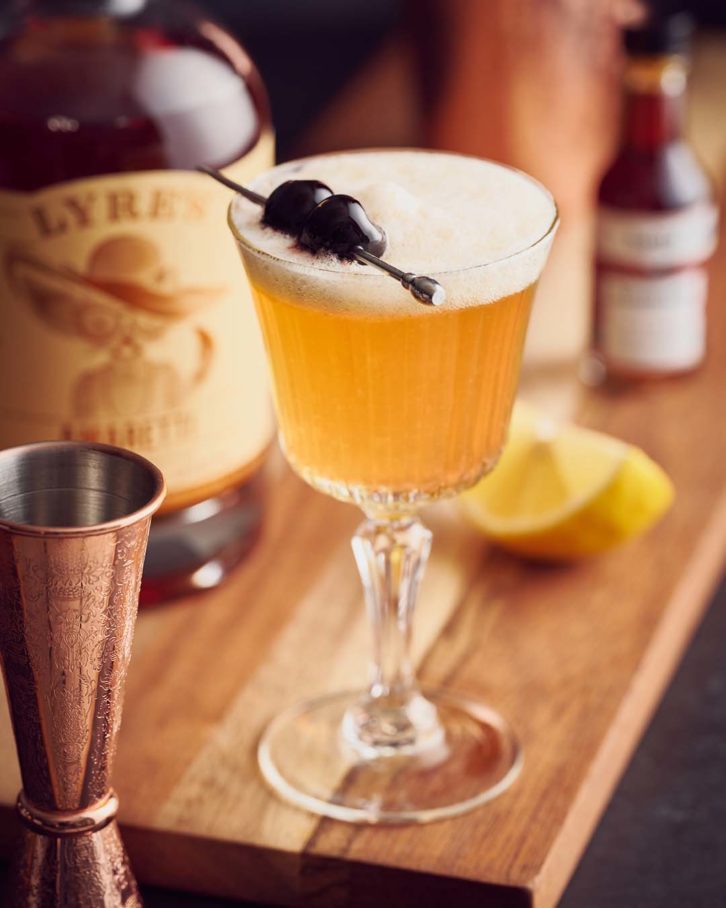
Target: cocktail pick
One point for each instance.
(425, 289)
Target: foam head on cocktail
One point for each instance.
(389, 403)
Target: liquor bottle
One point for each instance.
(656, 219)
(124, 316)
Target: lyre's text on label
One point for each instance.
(119, 206)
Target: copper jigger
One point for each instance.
(74, 521)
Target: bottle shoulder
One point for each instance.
(669, 177)
(163, 90)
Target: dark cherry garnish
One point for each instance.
(289, 205)
(340, 224)
(337, 223)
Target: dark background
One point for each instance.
(307, 49)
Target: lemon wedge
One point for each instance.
(563, 493)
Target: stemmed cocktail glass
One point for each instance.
(389, 404)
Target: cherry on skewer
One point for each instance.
(320, 219)
(289, 205)
(341, 225)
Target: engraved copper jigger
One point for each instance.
(74, 521)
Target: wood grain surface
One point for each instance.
(575, 657)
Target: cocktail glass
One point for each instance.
(392, 409)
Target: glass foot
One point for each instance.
(305, 756)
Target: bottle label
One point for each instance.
(126, 317)
(652, 322)
(657, 240)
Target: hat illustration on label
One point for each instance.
(126, 298)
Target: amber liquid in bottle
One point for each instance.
(656, 231)
(91, 88)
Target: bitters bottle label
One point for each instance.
(652, 286)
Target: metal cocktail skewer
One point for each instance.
(424, 289)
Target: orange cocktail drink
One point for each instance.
(390, 403)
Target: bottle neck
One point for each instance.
(655, 89)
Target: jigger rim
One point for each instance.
(155, 499)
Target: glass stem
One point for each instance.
(392, 716)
